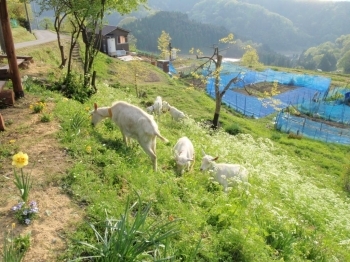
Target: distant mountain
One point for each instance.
(185, 33)
(285, 26)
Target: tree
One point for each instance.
(46, 23)
(344, 63)
(216, 59)
(163, 44)
(328, 62)
(86, 18)
(250, 58)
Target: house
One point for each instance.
(114, 40)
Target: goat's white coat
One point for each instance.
(150, 109)
(184, 154)
(133, 123)
(175, 113)
(157, 106)
(224, 174)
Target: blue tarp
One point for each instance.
(172, 68)
(308, 88)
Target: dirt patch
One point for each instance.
(48, 163)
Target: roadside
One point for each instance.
(42, 37)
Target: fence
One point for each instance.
(312, 129)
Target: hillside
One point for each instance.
(185, 33)
(288, 26)
(294, 208)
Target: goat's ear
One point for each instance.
(204, 154)
(214, 159)
(95, 106)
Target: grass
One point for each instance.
(295, 207)
(20, 34)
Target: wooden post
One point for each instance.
(2, 124)
(10, 50)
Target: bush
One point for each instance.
(233, 129)
(72, 86)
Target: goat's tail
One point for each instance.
(163, 138)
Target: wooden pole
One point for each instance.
(10, 51)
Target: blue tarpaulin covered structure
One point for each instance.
(308, 94)
(308, 87)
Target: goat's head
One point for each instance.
(182, 160)
(165, 106)
(96, 117)
(207, 161)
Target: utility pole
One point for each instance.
(170, 51)
(25, 7)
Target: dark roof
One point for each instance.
(106, 29)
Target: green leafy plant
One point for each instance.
(233, 129)
(45, 118)
(137, 240)
(14, 248)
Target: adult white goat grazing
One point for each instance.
(184, 154)
(175, 113)
(224, 174)
(134, 123)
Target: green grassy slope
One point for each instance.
(293, 209)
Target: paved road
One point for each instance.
(42, 37)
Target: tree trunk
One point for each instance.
(63, 59)
(217, 112)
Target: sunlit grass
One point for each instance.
(295, 207)
(284, 197)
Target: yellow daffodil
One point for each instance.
(88, 149)
(20, 160)
(12, 141)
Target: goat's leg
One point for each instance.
(148, 148)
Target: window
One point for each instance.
(122, 39)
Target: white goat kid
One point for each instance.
(184, 154)
(165, 106)
(224, 174)
(175, 113)
(133, 123)
(150, 109)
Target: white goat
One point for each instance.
(175, 113)
(157, 106)
(133, 123)
(150, 109)
(224, 174)
(165, 106)
(184, 154)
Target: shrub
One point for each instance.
(292, 135)
(72, 86)
(233, 129)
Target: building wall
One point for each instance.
(120, 36)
